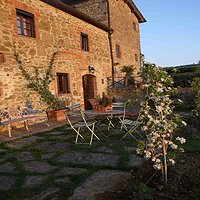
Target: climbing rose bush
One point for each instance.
(158, 120)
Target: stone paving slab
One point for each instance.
(33, 181)
(2, 159)
(95, 159)
(56, 147)
(7, 182)
(2, 150)
(7, 167)
(130, 149)
(55, 133)
(38, 167)
(18, 144)
(100, 182)
(46, 195)
(48, 156)
(105, 150)
(135, 161)
(62, 180)
(42, 145)
(62, 137)
(71, 171)
(25, 156)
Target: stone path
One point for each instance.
(50, 166)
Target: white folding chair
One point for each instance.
(130, 127)
(78, 126)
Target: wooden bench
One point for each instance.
(11, 116)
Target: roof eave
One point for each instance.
(65, 8)
(136, 11)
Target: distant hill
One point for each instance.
(183, 75)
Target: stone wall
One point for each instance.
(96, 9)
(124, 23)
(124, 35)
(55, 30)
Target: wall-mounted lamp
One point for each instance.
(91, 69)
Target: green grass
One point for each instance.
(192, 145)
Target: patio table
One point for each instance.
(109, 115)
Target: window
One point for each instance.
(118, 51)
(63, 83)
(136, 57)
(2, 59)
(134, 26)
(85, 43)
(25, 23)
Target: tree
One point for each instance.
(158, 120)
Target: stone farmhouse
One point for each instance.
(94, 39)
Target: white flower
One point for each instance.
(159, 85)
(153, 159)
(159, 108)
(147, 155)
(162, 79)
(157, 166)
(181, 140)
(144, 128)
(158, 160)
(159, 90)
(138, 151)
(174, 146)
(180, 101)
(181, 150)
(172, 161)
(184, 123)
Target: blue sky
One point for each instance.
(171, 35)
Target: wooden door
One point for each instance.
(89, 89)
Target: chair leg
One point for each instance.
(130, 131)
(46, 122)
(110, 124)
(77, 134)
(26, 125)
(93, 134)
(9, 130)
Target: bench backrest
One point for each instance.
(9, 114)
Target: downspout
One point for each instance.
(110, 43)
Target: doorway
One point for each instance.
(89, 89)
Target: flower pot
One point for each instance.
(56, 115)
(101, 108)
(140, 85)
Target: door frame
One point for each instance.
(89, 89)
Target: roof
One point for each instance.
(68, 9)
(135, 10)
(130, 3)
(72, 1)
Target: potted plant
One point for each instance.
(56, 111)
(129, 71)
(104, 103)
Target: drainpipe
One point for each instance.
(110, 43)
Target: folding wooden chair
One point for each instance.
(130, 127)
(83, 125)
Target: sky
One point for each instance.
(171, 35)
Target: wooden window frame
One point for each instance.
(25, 19)
(63, 82)
(136, 57)
(118, 51)
(134, 26)
(84, 42)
